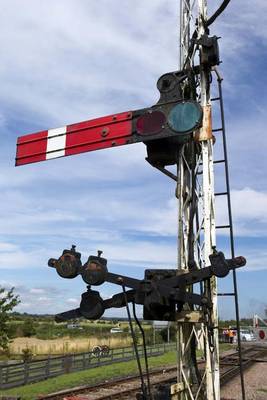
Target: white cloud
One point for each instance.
(249, 212)
(122, 227)
(250, 204)
(7, 247)
(7, 284)
(21, 258)
(37, 291)
(68, 50)
(256, 259)
(72, 301)
(45, 299)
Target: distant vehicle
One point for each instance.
(116, 330)
(74, 326)
(246, 335)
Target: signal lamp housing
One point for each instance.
(68, 265)
(92, 305)
(210, 54)
(95, 270)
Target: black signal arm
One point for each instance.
(160, 288)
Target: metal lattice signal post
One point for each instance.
(196, 226)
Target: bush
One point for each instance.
(12, 329)
(45, 331)
(27, 355)
(28, 328)
(164, 334)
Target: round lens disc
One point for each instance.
(185, 117)
(150, 123)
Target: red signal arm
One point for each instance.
(95, 134)
(142, 125)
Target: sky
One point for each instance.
(66, 61)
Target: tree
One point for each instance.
(8, 300)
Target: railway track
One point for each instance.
(126, 388)
(105, 390)
(229, 364)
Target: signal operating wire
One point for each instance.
(218, 12)
(143, 386)
(145, 352)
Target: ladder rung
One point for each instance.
(217, 130)
(217, 194)
(220, 227)
(218, 161)
(221, 194)
(214, 162)
(215, 99)
(225, 294)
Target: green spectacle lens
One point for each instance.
(185, 117)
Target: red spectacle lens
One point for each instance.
(150, 123)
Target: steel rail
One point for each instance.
(229, 369)
(113, 382)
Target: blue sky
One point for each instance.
(68, 61)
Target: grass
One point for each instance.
(88, 377)
(262, 390)
(226, 346)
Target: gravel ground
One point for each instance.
(255, 383)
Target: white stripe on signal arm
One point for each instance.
(56, 142)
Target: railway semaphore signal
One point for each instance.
(176, 130)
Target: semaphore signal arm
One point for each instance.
(162, 127)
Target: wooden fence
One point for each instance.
(34, 371)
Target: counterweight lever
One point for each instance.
(161, 292)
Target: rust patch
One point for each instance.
(205, 132)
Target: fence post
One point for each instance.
(1, 377)
(26, 373)
(89, 358)
(67, 364)
(6, 375)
